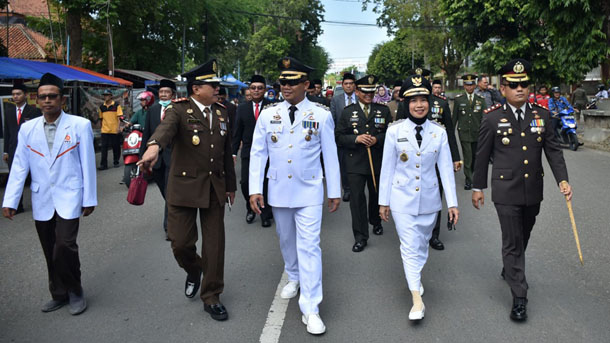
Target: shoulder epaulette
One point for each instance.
(221, 105)
(436, 123)
(180, 100)
(346, 106)
(540, 105)
(270, 105)
(496, 106)
(396, 122)
(385, 104)
(322, 105)
(459, 95)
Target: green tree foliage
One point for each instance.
(563, 39)
(391, 61)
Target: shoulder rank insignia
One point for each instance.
(180, 100)
(496, 106)
(436, 123)
(221, 105)
(270, 105)
(540, 105)
(396, 122)
(459, 95)
(322, 105)
(346, 106)
(442, 97)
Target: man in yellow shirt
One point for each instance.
(109, 113)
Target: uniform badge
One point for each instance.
(510, 131)
(539, 139)
(404, 139)
(218, 112)
(274, 138)
(189, 111)
(404, 157)
(67, 138)
(355, 131)
(503, 120)
(195, 140)
(308, 138)
(355, 114)
(277, 117)
(518, 67)
(505, 140)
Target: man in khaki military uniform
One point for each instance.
(467, 113)
(201, 179)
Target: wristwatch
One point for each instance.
(153, 142)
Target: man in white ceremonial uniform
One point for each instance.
(409, 185)
(57, 150)
(293, 134)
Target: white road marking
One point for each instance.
(275, 316)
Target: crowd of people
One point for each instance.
(385, 151)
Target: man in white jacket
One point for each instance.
(57, 149)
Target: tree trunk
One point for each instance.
(73, 26)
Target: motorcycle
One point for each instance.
(566, 133)
(131, 150)
(592, 104)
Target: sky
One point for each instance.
(349, 44)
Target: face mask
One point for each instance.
(165, 103)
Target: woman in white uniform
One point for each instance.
(414, 148)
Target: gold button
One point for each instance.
(290, 176)
(367, 125)
(290, 146)
(291, 131)
(522, 134)
(416, 177)
(501, 176)
(418, 153)
(212, 146)
(210, 172)
(499, 132)
(195, 131)
(417, 166)
(211, 160)
(289, 161)
(417, 189)
(527, 175)
(525, 162)
(183, 173)
(539, 139)
(524, 148)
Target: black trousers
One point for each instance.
(58, 240)
(344, 177)
(516, 223)
(244, 183)
(437, 226)
(358, 206)
(113, 141)
(160, 176)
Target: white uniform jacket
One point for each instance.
(408, 181)
(295, 171)
(64, 179)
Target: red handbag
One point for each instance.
(137, 189)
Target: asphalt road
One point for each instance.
(135, 288)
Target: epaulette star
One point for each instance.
(221, 105)
(396, 122)
(180, 100)
(496, 106)
(322, 105)
(540, 105)
(270, 105)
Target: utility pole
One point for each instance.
(7, 28)
(183, 47)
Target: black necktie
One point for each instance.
(519, 120)
(418, 128)
(293, 109)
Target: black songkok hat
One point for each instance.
(258, 78)
(292, 69)
(437, 82)
(167, 83)
(397, 83)
(50, 79)
(349, 76)
(415, 85)
(317, 82)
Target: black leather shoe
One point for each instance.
(102, 167)
(359, 246)
(266, 222)
(346, 195)
(519, 311)
(250, 216)
(467, 187)
(216, 311)
(116, 165)
(436, 244)
(191, 285)
(378, 230)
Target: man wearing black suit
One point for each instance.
(14, 116)
(247, 114)
(223, 98)
(515, 134)
(167, 91)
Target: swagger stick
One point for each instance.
(368, 149)
(569, 203)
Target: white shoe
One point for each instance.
(421, 289)
(417, 315)
(315, 325)
(290, 290)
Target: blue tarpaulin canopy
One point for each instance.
(231, 80)
(15, 68)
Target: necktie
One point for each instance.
(418, 128)
(293, 109)
(256, 112)
(163, 112)
(206, 114)
(366, 111)
(519, 119)
(470, 98)
(19, 116)
(349, 100)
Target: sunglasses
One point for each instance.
(290, 82)
(514, 85)
(51, 96)
(257, 88)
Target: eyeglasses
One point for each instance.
(290, 82)
(257, 88)
(51, 96)
(514, 85)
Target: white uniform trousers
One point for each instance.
(414, 233)
(299, 233)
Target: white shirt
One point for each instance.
(514, 109)
(347, 97)
(22, 107)
(202, 108)
(260, 107)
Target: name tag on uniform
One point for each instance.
(353, 119)
(504, 124)
(276, 122)
(405, 139)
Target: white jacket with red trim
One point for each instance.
(63, 180)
